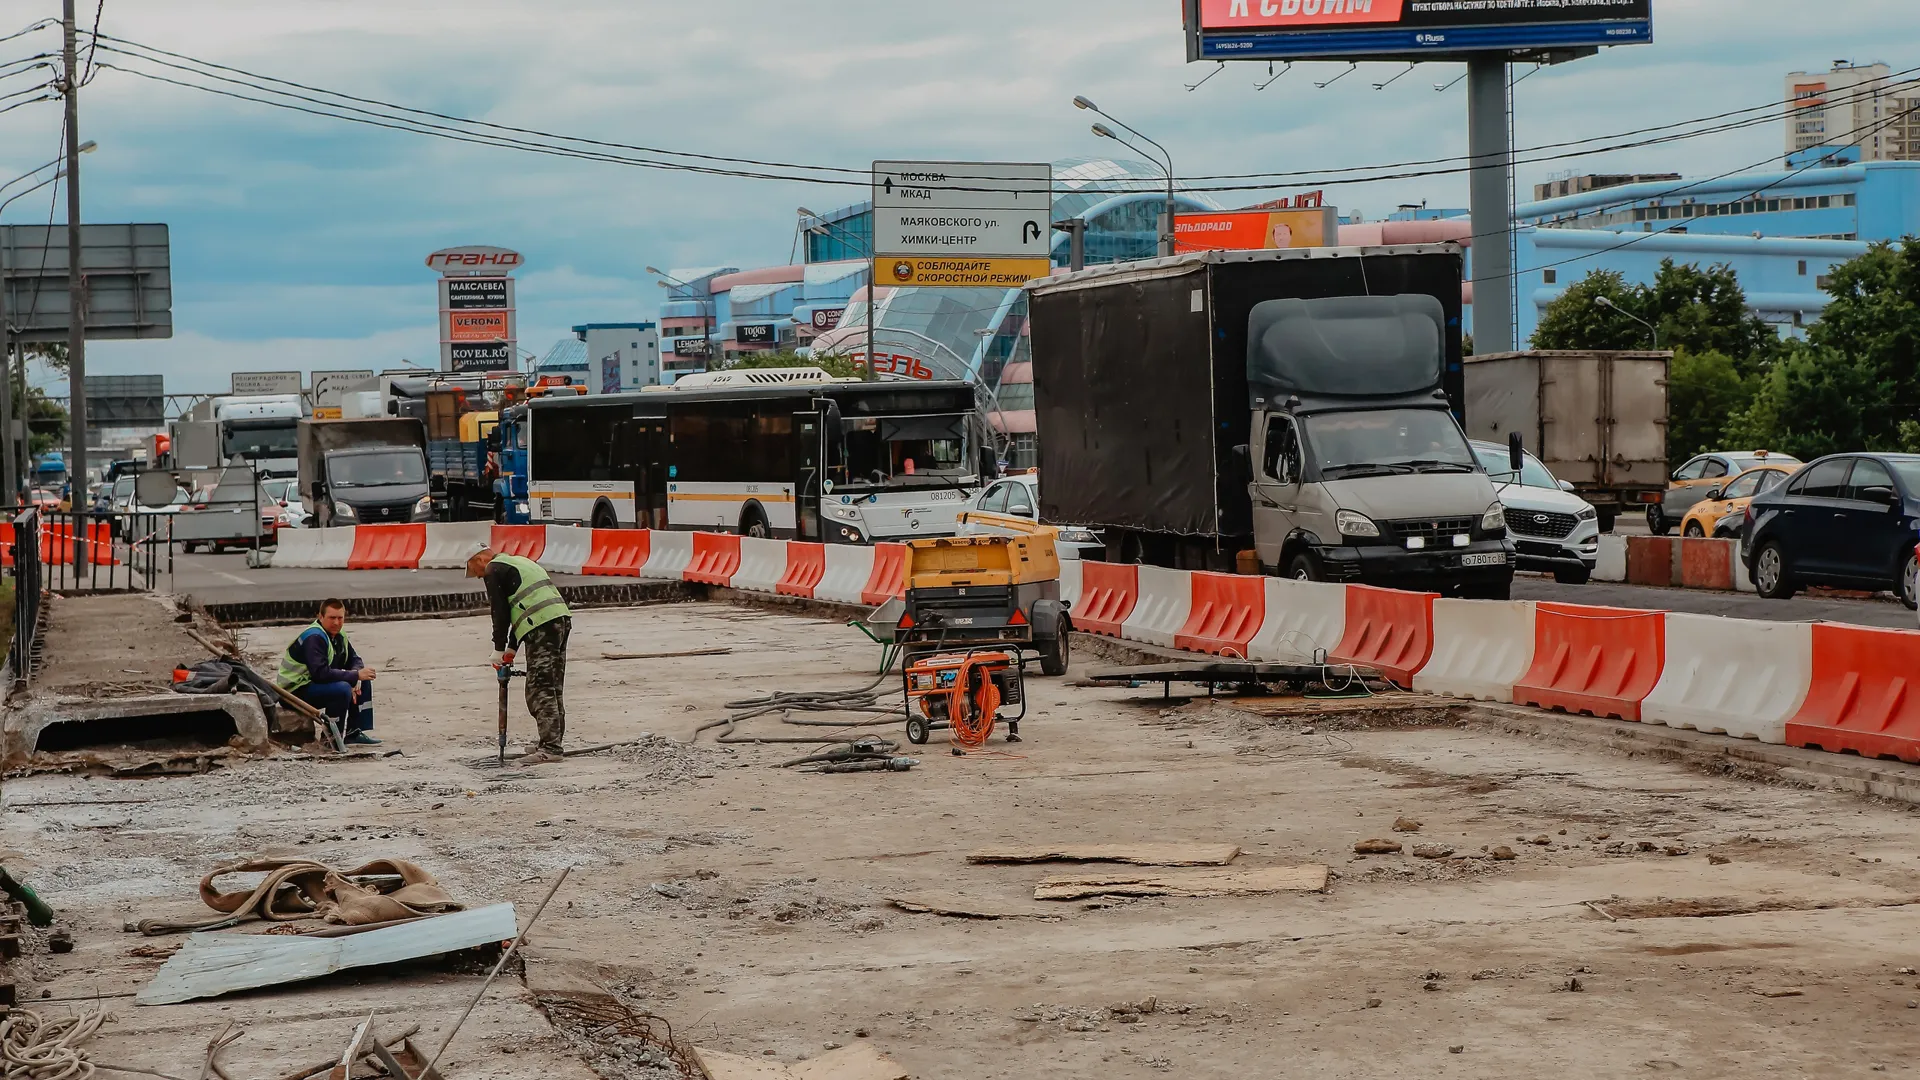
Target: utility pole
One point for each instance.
(1490, 146)
(76, 298)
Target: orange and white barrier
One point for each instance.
(314, 549)
(1480, 649)
(1732, 677)
(668, 555)
(844, 577)
(1166, 599)
(762, 564)
(447, 545)
(567, 549)
(1304, 622)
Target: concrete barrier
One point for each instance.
(568, 549)
(1732, 676)
(845, 577)
(1612, 564)
(314, 549)
(1166, 599)
(448, 543)
(1705, 563)
(1742, 580)
(762, 564)
(1651, 560)
(668, 555)
(1480, 649)
(1304, 621)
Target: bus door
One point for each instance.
(645, 459)
(809, 467)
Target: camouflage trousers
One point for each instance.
(546, 651)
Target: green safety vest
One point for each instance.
(293, 667)
(537, 603)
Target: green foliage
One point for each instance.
(1576, 320)
(838, 366)
(1698, 310)
(1704, 391)
(46, 420)
(1854, 384)
(51, 353)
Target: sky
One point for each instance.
(299, 241)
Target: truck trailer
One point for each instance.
(365, 472)
(1294, 409)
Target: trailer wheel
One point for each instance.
(917, 730)
(1056, 653)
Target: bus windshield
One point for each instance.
(250, 439)
(891, 449)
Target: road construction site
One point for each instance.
(1544, 892)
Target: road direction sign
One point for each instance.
(252, 383)
(958, 224)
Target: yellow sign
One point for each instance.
(923, 271)
(326, 412)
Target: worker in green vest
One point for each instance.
(529, 613)
(323, 670)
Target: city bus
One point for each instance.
(770, 452)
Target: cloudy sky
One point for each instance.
(298, 240)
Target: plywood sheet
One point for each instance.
(1223, 882)
(966, 907)
(1150, 854)
(857, 1062)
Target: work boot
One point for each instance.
(540, 757)
(361, 738)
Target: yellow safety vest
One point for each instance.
(293, 672)
(537, 602)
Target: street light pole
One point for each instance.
(1607, 302)
(873, 286)
(76, 290)
(1168, 243)
(706, 311)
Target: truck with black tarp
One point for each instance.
(365, 472)
(1292, 407)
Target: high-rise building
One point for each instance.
(1854, 105)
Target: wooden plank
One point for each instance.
(939, 903)
(211, 964)
(1168, 854)
(1233, 882)
(860, 1061)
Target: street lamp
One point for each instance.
(8, 407)
(668, 281)
(873, 284)
(1607, 302)
(1079, 102)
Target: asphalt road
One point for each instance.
(227, 579)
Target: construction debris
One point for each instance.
(721, 651)
(1170, 854)
(857, 1062)
(382, 891)
(209, 965)
(1191, 883)
(936, 903)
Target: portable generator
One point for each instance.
(965, 692)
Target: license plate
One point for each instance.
(1497, 558)
(963, 620)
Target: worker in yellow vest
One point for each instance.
(529, 613)
(323, 670)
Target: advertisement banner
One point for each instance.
(690, 347)
(479, 294)
(488, 356)
(755, 334)
(825, 319)
(477, 326)
(1407, 29)
(1257, 230)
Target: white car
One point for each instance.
(1553, 529)
(1019, 496)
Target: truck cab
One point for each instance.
(1361, 473)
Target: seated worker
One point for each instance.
(321, 669)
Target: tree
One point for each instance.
(1698, 310)
(1576, 319)
(1704, 392)
(51, 353)
(839, 367)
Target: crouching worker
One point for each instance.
(321, 669)
(528, 613)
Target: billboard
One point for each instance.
(1257, 230)
(478, 331)
(1407, 29)
(128, 274)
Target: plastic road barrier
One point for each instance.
(568, 548)
(618, 552)
(6, 543)
(1612, 563)
(1388, 631)
(1862, 696)
(762, 564)
(1226, 612)
(1108, 593)
(668, 555)
(315, 549)
(844, 578)
(387, 547)
(716, 558)
(447, 543)
(526, 541)
(806, 565)
(1595, 660)
(889, 578)
(56, 544)
(1166, 599)
(1480, 649)
(1304, 621)
(1070, 583)
(1732, 676)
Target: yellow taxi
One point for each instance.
(1704, 473)
(1723, 510)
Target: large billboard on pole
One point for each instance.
(1408, 29)
(478, 330)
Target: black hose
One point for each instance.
(863, 700)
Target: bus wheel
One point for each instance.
(753, 522)
(603, 517)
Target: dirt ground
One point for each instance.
(1653, 919)
(112, 645)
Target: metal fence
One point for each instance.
(130, 552)
(27, 573)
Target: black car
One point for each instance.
(1850, 520)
